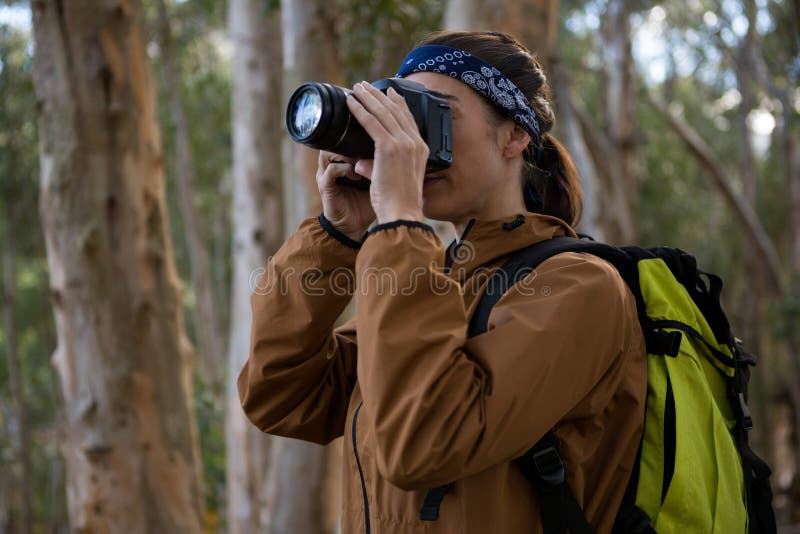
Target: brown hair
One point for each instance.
(553, 176)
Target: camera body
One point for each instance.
(317, 116)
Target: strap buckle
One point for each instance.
(663, 342)
(549, 466)
(747, 418)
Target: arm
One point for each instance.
(300, 373)
(442, 406)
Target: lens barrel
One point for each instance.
(334, 129)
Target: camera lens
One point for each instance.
(306, 112)
(317, 116)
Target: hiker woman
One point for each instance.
(421, 404)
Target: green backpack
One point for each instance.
(695, 471)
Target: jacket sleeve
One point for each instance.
(300, 372)
(442, 406)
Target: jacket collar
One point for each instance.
(484, 241)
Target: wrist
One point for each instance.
(398, 215)
(349, 239)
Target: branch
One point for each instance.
(743, 211)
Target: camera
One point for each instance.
(317, 116)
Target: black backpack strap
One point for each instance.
(515, 268)
(756, 471)
(521, 263)
(433, 500)
(543, 467)
(630, 518)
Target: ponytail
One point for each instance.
(551, 185)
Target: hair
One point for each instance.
(549, 185)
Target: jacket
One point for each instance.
(419, 403)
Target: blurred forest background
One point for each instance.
(144, 175)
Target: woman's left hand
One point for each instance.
(398, 170)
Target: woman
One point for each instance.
(420, 404)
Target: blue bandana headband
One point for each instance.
(480, 76)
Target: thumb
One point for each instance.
(364, 167)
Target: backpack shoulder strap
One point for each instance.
(543, 467)
(525, 260)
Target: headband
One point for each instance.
(480, 76)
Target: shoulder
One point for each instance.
(571, 287)
(582, 272)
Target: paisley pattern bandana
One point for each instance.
(480, 76)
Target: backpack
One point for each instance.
(694, 469)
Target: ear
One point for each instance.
(514, 140)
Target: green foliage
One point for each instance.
(209, 406)
(35, 330)
(375, 36)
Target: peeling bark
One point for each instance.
(210, 340)
(123, 359)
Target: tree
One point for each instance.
(257, 217)
(123, 357)
(207, 325)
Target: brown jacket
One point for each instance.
(419, 403)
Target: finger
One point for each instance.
(364, 167)
(378, 104)
(326, 157)
(367, 120)
(398, 107)
(407, 119)
(336, 170)
(402, 111)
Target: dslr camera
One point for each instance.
(317, 116)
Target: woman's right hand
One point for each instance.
(347, 208)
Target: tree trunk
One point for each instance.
(576, 143)
(298, 469)
(257, 220)
(621, 118)
(124, 360)
(531, 21)
(19, 430)
(210, 340)
(309, 54)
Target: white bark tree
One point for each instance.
(123, 358)
(309, 54)
(257, 220)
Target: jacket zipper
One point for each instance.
(361, 472)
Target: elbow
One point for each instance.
(252, 405)
(257, 404)
(408, 469)
(405, 479)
